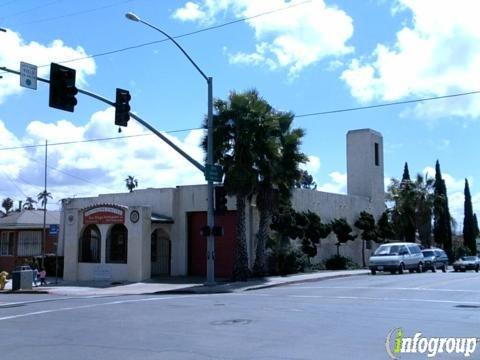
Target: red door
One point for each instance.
(224, 246)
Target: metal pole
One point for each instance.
(210, 195)
(132, 115)
(44, 237)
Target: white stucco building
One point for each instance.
(133, 236)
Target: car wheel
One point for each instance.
(476, 269)
(401, 268)
(373, 271)
(444, 268)
(420, 268)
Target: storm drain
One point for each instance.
(468, 306)
(232, 322)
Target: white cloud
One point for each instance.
(313, 165)
(14, 49)
(337, 184)
(436, 53)
(294, 38)
(190, 12)
(87, 169)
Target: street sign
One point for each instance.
(213, 173)
(28, 75)
(53, 230)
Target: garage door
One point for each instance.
(224, 246)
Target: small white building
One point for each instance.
(133, 236)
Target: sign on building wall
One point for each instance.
(104, 214)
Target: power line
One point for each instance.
(13, 182)
(179, 36)
(388, 104)
(8, 3)
(74, 13)
(320, 113)
(29, 10)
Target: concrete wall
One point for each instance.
(365, 177)
(365, 192)
(333, 206)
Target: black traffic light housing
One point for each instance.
(122, 107)
(62, 88)
(220, 200)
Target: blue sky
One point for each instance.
(307, 57)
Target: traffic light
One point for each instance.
(62, 88)
(122, 107)
(220, 200)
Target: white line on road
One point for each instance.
(384, 288)
(96, 305)
(386, 299)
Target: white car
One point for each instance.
(467, 263)
(395, 257)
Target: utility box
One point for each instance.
(22, 278)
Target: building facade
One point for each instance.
(153, 232)
(21, 237)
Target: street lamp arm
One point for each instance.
(178, 45)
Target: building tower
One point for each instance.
(365, 167)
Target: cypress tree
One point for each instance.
(477, 230)
(469, 222)
(406, 173)
(442, 228)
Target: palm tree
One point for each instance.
(7, 204)
(384, 227)
(235, 126)
(28, 205)
(43, 198)
(306, 181)
(131, 183)
(278, 163)
(424, 208)
(404, 197)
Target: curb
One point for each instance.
(24, 292)
(203, 290)
(302, 281)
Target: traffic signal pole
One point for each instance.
(140, 120)
(209, 163)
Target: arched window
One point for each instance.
(117, 244)
(89, 251)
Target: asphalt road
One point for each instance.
(344, 318)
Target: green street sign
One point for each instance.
(213, 173)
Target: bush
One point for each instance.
(285, 261)
(461, 251)
(338, 262)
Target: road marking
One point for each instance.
(384, 288)
(386, 299)
(454, 280)
(96, 305)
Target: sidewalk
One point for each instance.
(178, 285)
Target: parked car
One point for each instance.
(467, 263)
(435, 259)
(395, 257)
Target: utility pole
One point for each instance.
(44, 237)
(209, 163)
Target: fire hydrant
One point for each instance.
(3, 279)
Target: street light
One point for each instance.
(210, 215)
